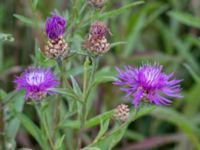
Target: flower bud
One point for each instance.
(96, 46)
(56, 48)
(96, 3)
(55, 26)
(122, 112)
(98, 30)
(96, 41)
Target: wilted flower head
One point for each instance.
(96, 41)
(148, 82)
(96, 3)
(98, 29)
(36, 82)
(55, 26)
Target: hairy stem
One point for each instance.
(83, 116)
(44, 124)
(87, 82)
(58, 97)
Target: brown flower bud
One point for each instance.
(96, 41)
(96, 3)
(98, 30)
(56, 48)
(96, 46)
(122, 112)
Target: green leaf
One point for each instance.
(31, 128)
(81, 52)
(191, 131)
(2, 94)
(103, 129)
(97, 120)
(185, 18)
(192, 107)
(134, 34)
(91, 148)
(116, 12)
(192, 72)
(104, 75)
(117, 43)
(75, 86)
(111, 139)
(12, 124)
(24, 19)
(160, 9)
(132, 135)
(24, 149)
(59, 142)
(89, 123)
(104, 79)
(184, 51)
(66, 92)
(34, 4)
(11, 96)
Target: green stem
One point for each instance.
(124, 125)
(2, 142)
(87, 83)
(95, 61)
(44, 124)
(58, 97)
(94, 67)
(73, 18)
(83, 114)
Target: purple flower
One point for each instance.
(55, 26)
(148, 82)
(36, 82)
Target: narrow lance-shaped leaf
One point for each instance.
(192, 72)
(31, 128)
(89, 123)
(184, 124)
(185, 18)
(34, 4)
(103, 129)
(116, 12)
(24, 19)
(109, 140)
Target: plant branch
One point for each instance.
(44, 124)
(83, 114)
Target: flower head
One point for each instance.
(96, 3)
(55, 26)
(148, 82)
(36, 82)
(98, 30)
(56, 48)
(121, 112)
(96, 41)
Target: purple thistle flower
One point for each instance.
(36, 82)
(55, 26)
(148, 82)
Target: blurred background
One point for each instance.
(165, 31)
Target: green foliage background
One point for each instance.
(166, 31)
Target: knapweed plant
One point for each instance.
(61, 86)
